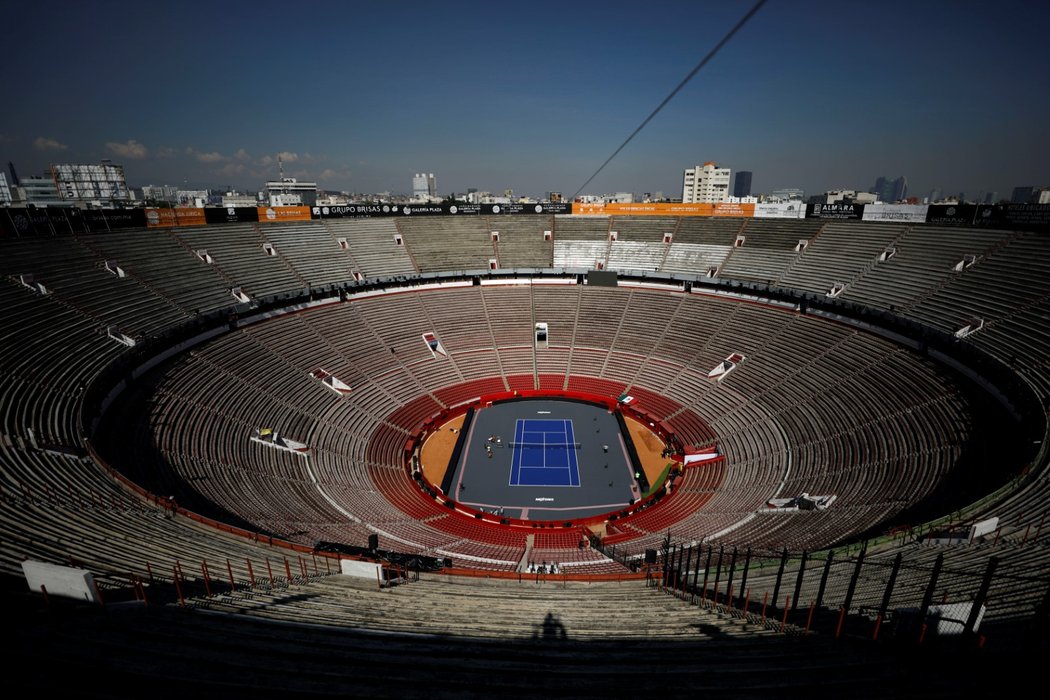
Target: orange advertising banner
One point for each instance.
(653, 209)
(738, 210)
(160, 218)
(170, 218)
(269, 215)
(189, 216)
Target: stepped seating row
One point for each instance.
(50, 353)
(757, 264)
(510, 316)
(779, 234)
(580, 228)
(82, 517)
(588, 254)
(643, 229)
(159, 259)
(708, 231)
(238, 254)
(372, 246)
(839, 254)
(926, 257)
(694, 258)
(522, 242)
(312, 252)
(636, 256)
(76, 276)
(994, 288)
(448, 244)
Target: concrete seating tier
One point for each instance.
(779, 234)
(996, 287)
(708, 231)
(158, 258)
(839, 254)
(312, 252)
(581, 228)
(635, 255)
(694, 258)
(372, 246)
(448, 244)
(76, 276)
(587, 254)
(521, 240)
(239, 256)
(925, 260)
(643, 229)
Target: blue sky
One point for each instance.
(532, 96)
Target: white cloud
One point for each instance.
(242, 155)
(46, 144)
(212, 157)
(131, 149)
(288, 156)
(231, 169)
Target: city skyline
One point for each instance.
(813, 95)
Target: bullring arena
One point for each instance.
(729, 453)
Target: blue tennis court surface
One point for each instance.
(544, 453)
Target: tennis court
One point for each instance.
(544, 453)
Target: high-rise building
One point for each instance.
(705, 183)
(891, 190)
(742, 183)
(102, 184)
(424, 186)
(1022, 194)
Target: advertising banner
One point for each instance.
(352, 211)
(230, 215)
(41, 221)
(835, 211)
(544, 208)
(171, 218)
(442, 209)
(780, 210)
(1034, 217)
(22, 223)
(189, 216)
(110, 219)
(951, 214)
(269, 215)
(641, 209)
(909, 213)
(735, 210)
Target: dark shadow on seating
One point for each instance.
(551, 629)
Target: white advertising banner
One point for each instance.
(907, 213)
(780, 210)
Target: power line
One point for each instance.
(710, 54)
